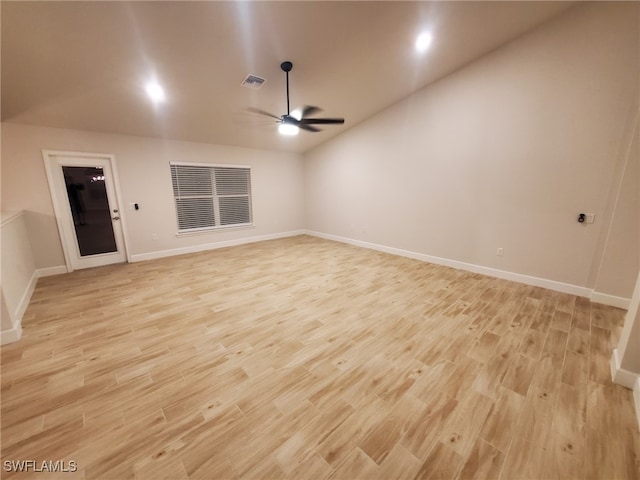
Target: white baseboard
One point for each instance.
(24, 301)
(211, 246)
(11, 336)
(626, 379)
(597, 297)
(611, 300)
(491, 272)
(14, 334)
(620, 375)
(50, 271)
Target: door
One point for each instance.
(84, 192)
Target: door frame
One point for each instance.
(60, 210)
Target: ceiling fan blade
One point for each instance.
(308, 128)
(252, 120)
(322, 121)
(262, 112)
(308, 110)
(300, 116)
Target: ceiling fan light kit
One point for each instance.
(292, 122)
(286, 128)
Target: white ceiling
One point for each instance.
(83, 65)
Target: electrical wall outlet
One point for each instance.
(499, 252)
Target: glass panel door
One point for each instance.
(90, 210)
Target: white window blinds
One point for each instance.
(209, 197)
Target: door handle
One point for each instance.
(116, 218)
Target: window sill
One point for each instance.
(206, 231)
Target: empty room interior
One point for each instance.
(320, 240)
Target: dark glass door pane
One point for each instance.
(90, 209)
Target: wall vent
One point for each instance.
(253, 81)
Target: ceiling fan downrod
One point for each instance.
(302, 120)
(286, 68)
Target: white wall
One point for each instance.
(503, 153)
(143, 167)
(6, 322)
(18, 272)
(616, 276)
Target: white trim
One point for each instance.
(620, 375)
(492, 272)
(205, 230)
(211, 246)
(70, 153)
(60, 213)
(46, 157)
(214, 174)
(121, 205)
(617, 183)
(10, 336)
(13, 335)
(611, 300)
(26, 297)
(10, 217)
(627, 379)
(50, 271)
(222, 165)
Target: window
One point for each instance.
(211, 196)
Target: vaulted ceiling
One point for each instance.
(84, 65)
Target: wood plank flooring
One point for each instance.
(303, 358)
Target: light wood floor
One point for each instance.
(303, 358)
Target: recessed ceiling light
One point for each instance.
(155, 92)
(423, 41)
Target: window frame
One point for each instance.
(215, 199)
